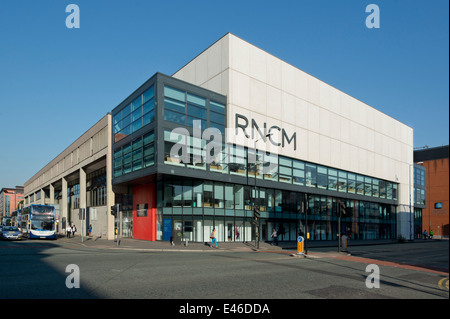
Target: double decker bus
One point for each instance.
(39, 221)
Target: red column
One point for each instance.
(144, 227)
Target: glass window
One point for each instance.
(342, 181)
(149, 94)
(208, 194)
(375, 187)
(187, 193)
(359, 185)
(237, 162)
(217, 118)
(148, 118)
(136, 103)
(322, 178)
(196, 111)
(137, 113)
(174, 105)
(351, 183)
(388, 190)
(367, 186)
(238, 196)
(382, 185)
(149, 160)
(311, 175)
(190, 122)
(126, 121)
(285, 161)
(194, 99)
(137, 125)
(216, 107)
(149, 138)
(218, 195)
(229, 196)
(278, 200)
(177, 191)
(285, 174)
(174, 94)
(332, 179)
(174, 117)
(149, 106)
(299, 177)
(117, 122)
(198, 194)
(299, 165)
(126, 111)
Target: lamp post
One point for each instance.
(256, 214)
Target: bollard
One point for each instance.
(300, 242)
(344, 241)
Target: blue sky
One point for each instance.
(52, 76)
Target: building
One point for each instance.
(10, 198)
(435, 213)
(183, 157)
(79, 178)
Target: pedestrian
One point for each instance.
(74, 229)
(274, 236)
(90, 230)
(425, 235)
(213, 238)
(68, 231)
(431, 234)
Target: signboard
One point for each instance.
(300, 244)
(167, 228)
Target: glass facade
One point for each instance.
(236, 160)
(137, 114)
(184, 108)
(197, 190)
(420, 185)
(136, 155)
(199, 205)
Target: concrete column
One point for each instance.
(52, 194)
(63, 207)
(83, 199)
(42, 200)
(110, 199)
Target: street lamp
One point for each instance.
(256, 210)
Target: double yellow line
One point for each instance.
(443, 283)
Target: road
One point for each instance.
(37, 269)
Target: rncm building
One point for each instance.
(179, 155)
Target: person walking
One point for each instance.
(68, 231)
(431, 234)
(274, 236)
(74, 229)
(90, 230)
(425, 235)
(213, 238)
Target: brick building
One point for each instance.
(9, 198)
(435, 216)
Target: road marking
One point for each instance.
(390, 264)
(443, 283)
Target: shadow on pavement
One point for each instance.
(28, 272)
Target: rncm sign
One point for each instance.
(242, 122)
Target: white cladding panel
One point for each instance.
(332, 128)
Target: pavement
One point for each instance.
(315, 249)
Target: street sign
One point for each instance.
(300, 244)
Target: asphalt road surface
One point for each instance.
(45, 269)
